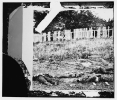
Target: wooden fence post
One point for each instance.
(40, 37)
(48, 36)
(98, 32)
(35, 38)
(44, 36)
(89, 32)
(80, 33)
(83, 33)
(108, 32)
(86, 33)
(58, 35)
(104, 32)
(112, 32)
(91, 35)
(55, 36)
(74, 33)
(65, 34)
(70, 35)
(77, 31)
(94, 34)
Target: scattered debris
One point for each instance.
(94, 83)
(86, 64)
(107, 83)
(35, 59)
(54, 94)
(72, 85)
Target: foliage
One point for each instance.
(75, 19)
(110, 23)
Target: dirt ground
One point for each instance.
(75, 60)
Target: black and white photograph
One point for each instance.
(58, 49)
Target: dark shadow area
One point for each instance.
(13, 80)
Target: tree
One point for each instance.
(71, 19)
(110, 23)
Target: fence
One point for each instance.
(81, 33)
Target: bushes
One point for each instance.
(109, 57)
(61, 54)
(107, 52)
(73, 51)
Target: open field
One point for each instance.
(75, 64)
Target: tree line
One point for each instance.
(72, 19)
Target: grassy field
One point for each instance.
(71, 61)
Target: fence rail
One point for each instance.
(81, 33)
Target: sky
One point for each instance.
(104, 13)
